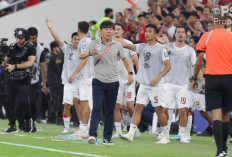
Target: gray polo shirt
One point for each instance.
(106, 70)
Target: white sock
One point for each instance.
(80, 122)
(84, 127)
(132, 129)
(182, 132)
(118, 127)
(165, 132)
(170, 113)
(189, 125)
(66, 122)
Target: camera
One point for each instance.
(4, 49)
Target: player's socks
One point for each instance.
(218, 135)
(80, 122)
(66, 121)
(132, 129)
(225, 130)
(165, 132)
(118, 127)
(188, 128)
(170, 113)
(182, 133)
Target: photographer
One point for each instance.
(22, 57)
(35, 86)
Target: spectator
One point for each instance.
(119, 17)
(199, 31)
(210, 26)
(109, 14)
(142, 24)
(229, 23)
(32, 2)
(157, 21)
(91, 23)
(134, 29)
(5, 11)
(192, 20)
(176, 21)
(19, 6)
(183, 19)
(169, 30)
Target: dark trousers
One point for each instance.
(147, 113)
(46, 99)
(56, 105)
(13, 89)
(33, 95)
(101, 91)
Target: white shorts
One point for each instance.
(84, 91)
(155, 94)
(69, 93)
(196, 101)
(125, 93)
(176, 96)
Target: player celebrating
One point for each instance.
(85, 72)
(154, 64)
(182, 57)
(69, 77)
(124, 92)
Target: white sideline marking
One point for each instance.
(53, 150)
(19, 135)
(39, 137)
(57, 140)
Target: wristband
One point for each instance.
(194, 79)
(16, 66)
(89, 53)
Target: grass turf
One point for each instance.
(142, 146)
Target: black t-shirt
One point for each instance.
(31, 52)
(42, 56)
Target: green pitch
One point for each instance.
(44, 144)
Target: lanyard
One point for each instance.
(103, 54)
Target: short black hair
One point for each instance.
(141, 15)
(171, 15)
(199, 20)
(181, 26)
(158, 17)
(93, 22)
(119, 24)
(75, 33)
(154, 27)
(200, 9)
(185, 14)
(185, 2)
(107, 24)
(195, 38)
(120, 13)
(107, 11)
(208, 8)
(210, 22)
(195, 14)
(32, 31)
(83, 26)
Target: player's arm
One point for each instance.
(136, 60)
(161, 39)
(55, 36)
(43, 71)
(6, 60)
(167, 68)
(90, 50)
(125, 44)
(78, 69)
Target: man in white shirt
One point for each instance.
(169, 31)
(154, 64)
(125, 92)
(69, 76)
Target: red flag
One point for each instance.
(132, 3)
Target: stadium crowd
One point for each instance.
(196, 16)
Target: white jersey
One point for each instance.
(181, 58)
(151, 62)
(122, 71)
(39, 50)
(71, 61)
(87, 71)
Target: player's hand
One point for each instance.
(130, 79)
(161, 39)
(138, 84)
(93, 52)
(155, 81)
(71, 78)
(49, 23)
(10, 67)
(165, 30)
(189, 33)
(194, 85)
(45, 90)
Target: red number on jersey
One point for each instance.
(78, 91)
(197, 103)
(156, 99)
(183, 100)
(118, 58)
(129, 94)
